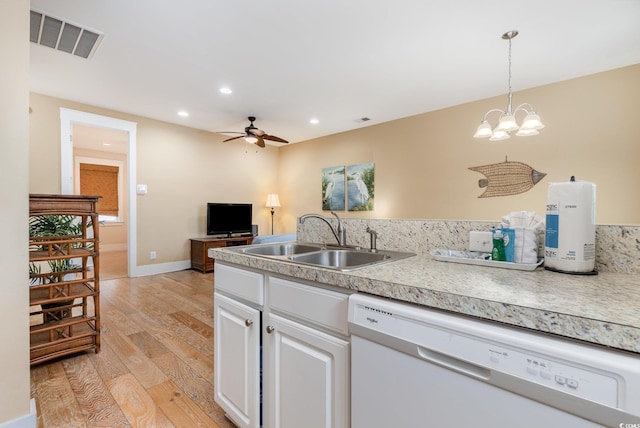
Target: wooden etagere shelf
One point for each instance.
(64, 290)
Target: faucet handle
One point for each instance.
(374, 235)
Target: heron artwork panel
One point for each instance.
(333, 189)
(360, 187)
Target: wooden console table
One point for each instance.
(200, 247)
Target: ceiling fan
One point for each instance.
(254, 135)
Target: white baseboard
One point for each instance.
(158, 268)
(26, 421)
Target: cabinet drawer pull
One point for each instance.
(248, 322)
(270, 329)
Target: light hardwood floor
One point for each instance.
(155, 368)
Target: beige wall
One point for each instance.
(183, 168)
(14, 166)
(421, 162)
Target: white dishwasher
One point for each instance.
(414, 367)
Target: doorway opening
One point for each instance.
(101, 140)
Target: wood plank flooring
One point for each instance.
(155, 367)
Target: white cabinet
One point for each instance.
(306, 376)
(237, 303)
(237, 360)
(304, 345)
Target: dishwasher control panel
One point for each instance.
(585, 382)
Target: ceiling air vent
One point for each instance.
(57, 34)
(362, 119)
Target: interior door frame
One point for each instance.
(69, 117)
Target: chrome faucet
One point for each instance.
(340, 234)
(374, 235)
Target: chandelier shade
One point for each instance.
(532, 122)
(507, 122)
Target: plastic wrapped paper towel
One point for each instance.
(529, 230)
(571, 227)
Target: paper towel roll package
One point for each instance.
(570, 238)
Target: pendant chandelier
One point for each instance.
(507, 119)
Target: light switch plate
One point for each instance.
(480, 241)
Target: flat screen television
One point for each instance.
(227, 219)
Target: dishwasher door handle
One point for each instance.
(454, 364)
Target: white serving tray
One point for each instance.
(480, 259)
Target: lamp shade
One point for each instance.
(507, 123)
(272, 200)
(500, 135)
(251, 139)
(532, 121)
(527, 132)
(484, 130)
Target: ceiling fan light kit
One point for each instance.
(507, 122)
(253, 135)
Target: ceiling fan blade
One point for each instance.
(260, 142)
(257, 132)
(274, 138)
(233, 138)
(228, 132)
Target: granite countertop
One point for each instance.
(603, 309)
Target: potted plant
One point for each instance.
(42, 228)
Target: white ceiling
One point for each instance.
(102, 139)
(336, 60)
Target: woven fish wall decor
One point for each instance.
(507, 178)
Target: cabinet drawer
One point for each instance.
(324, 308)
(240, 283)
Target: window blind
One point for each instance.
(101, 180)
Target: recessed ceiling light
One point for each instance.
(314, 121)
(106, 144)
(225, 90)
(183, 113)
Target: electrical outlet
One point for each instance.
(480, 241)
(152, 255)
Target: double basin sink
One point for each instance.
(339, 258)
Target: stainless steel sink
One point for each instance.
(330, 257)
(340, 258)
(284, 249)
(349, 259)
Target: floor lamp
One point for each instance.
(272, 202)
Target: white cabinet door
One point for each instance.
(306, 376)
(237, 360)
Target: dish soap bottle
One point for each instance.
(497, 254)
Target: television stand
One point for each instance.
(200, 247)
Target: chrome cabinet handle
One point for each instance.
(248, 322)
(270, 329)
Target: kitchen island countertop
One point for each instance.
(602, 309)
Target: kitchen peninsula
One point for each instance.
(600, 309)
